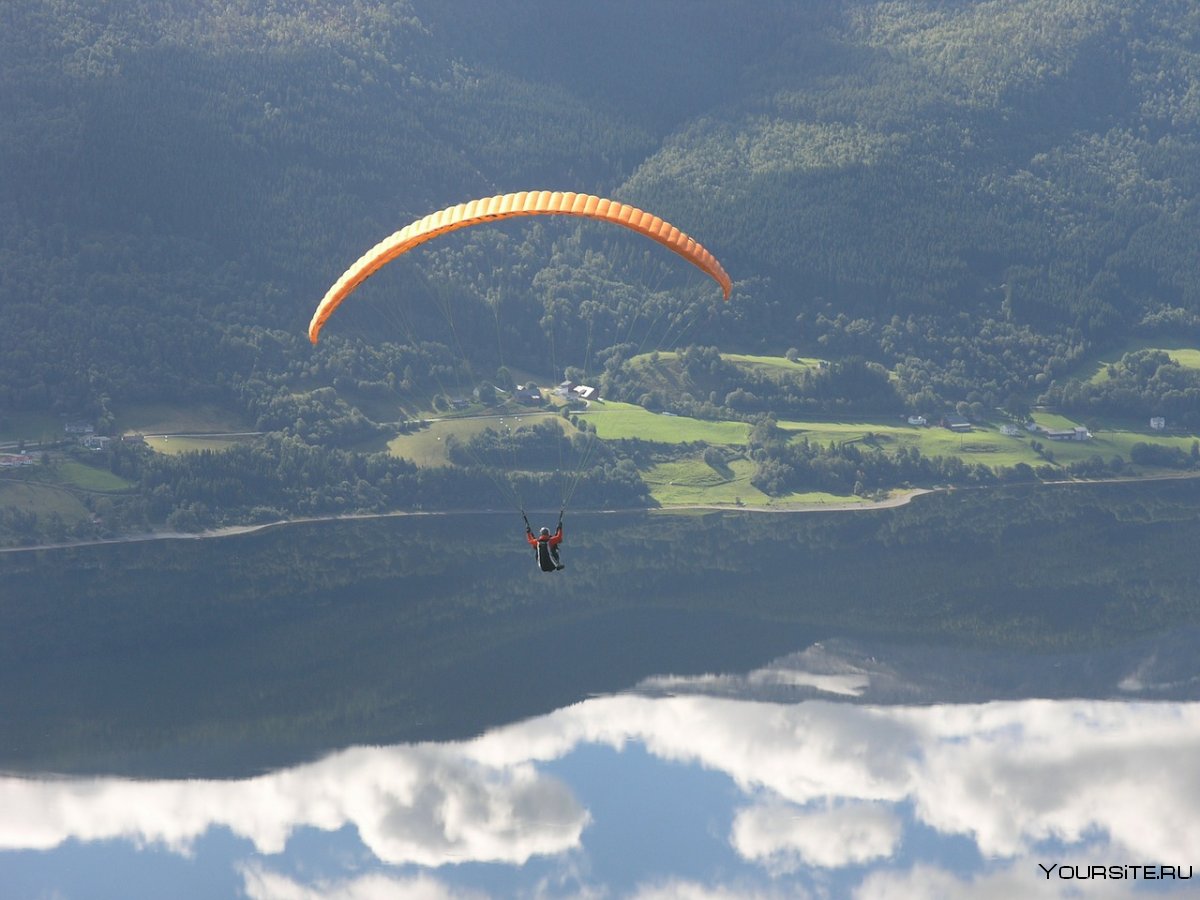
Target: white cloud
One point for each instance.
(259, 883)
(1012, 774)
(785, 838)
(848, 684)
(425, 804)
(680, 889)
(1008, 775)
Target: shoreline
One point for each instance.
(239, 530)
(894, 502)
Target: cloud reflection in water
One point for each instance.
(822, 786)
(426, 804)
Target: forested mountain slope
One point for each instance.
(975, 191)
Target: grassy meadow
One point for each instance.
(59, 489)
(775, 366)
(167, 418)
(427, 447)
(173, 429)
(41, 498)
(690, 481)
(615, 420)
(681, 482)
(1095, 367)
(88, 478)
(183, 443)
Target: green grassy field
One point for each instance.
(780, 364)
(168, 418)
(772, 364)
(1095, 368)
(985, 444)
(41, 498)
(683, 482)
(427, 447)
(174, 444)
(615, 420)
(172, 429)
(381, 409)
(89, 478)
(692, 482)
(1105, 442)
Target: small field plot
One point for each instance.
(1052, 420)
(171, 418)
(692, 482)
(90, 478)
(880, 435)
(1095, 369)
(984, 444)
(182, 443)
(689, 482)
(1108, 444)
(41, 499)
(775, 366)
(427, 447)
(1104, 442)
(615, 420)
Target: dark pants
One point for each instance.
(547, 556)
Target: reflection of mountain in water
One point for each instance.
(227, 657)
(1164, 667)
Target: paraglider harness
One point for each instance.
(545, 545)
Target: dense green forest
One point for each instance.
(956, 203)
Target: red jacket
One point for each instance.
(554, 539)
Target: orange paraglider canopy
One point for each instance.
(506, 206)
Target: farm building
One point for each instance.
(1078, 433)
(527, 396)
(956, 423)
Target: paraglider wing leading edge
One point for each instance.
(505, 206)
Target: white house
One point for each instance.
(918, 420)
(1158, 423)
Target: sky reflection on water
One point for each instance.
(660, 793)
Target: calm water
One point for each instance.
(944, 700)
